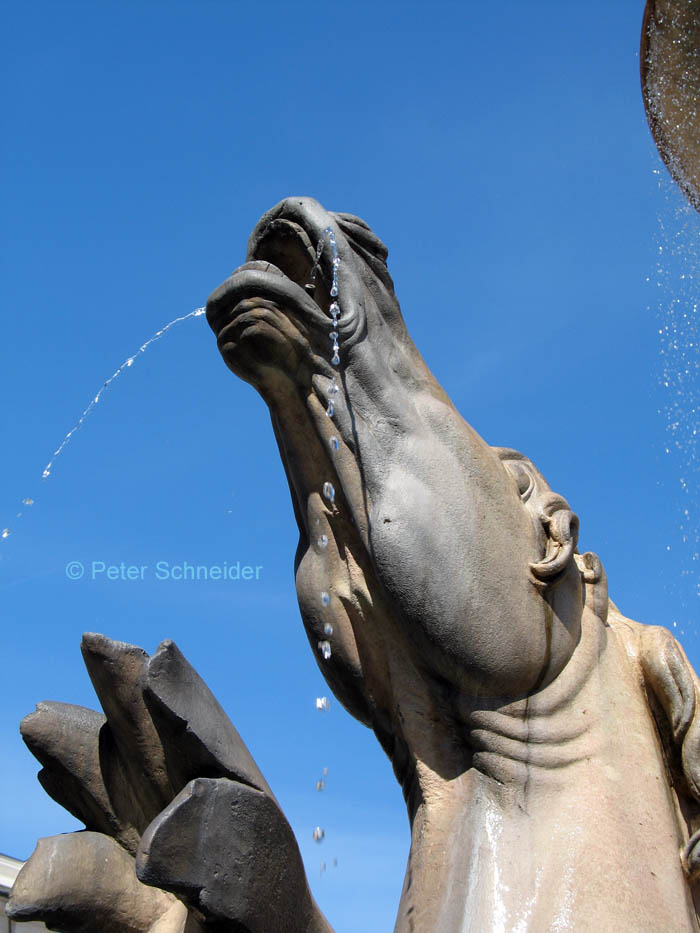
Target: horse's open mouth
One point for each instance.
(282, 269)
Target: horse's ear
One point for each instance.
(595, 584)
(552, 514)
(558, 524)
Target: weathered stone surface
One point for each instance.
(228, 849)
(220, 841)
(670, 69)
(117, 671)
(66, 739)
(84, 883)
(194, 729)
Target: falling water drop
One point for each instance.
(324, 647)
(322, 703)
(27, 501)
(5, 533)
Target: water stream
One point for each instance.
(27, 501)
(328, 490)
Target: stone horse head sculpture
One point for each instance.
(511, 696)
(547, 747)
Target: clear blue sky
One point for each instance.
(501, 152)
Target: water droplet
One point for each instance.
(330, 410)
(324, 648)
(320, 785)
(323, 542)
(335, 359)
(334, 290)
(325, 598)
(27, 501)
(5, 533)
(333, 443)
(45, 474)
(334, 309)
(333, 335)
(319, 834)
(130, 361)
(323, 867)
(329, 492)
(327, 628)
(334, 388)
(323, 704)
(325, 772)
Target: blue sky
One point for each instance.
(502, 153)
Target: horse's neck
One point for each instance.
(565, 819)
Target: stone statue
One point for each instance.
(547, 747)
